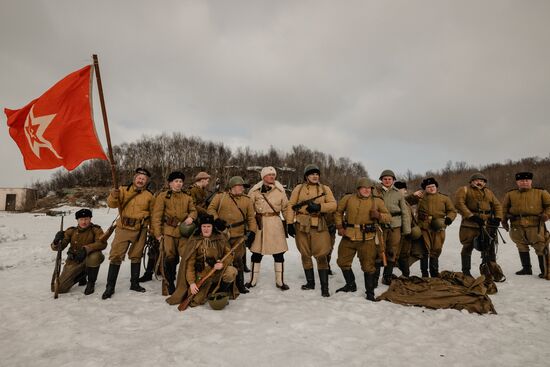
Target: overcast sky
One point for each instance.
(392, 84)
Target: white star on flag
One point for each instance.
(34, 131)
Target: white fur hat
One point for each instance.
(267, 171)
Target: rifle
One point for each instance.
(211, 196)
(109, 231)
(300, 204)
(186, 302)
(57, 267)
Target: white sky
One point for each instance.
(400, 84)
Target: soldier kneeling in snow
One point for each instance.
(84, 255)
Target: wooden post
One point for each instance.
(105, 122)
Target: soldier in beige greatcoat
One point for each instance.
(435, 212)
(84, 255)
(172, 208)
(358, 219)
(136, 204)
(307, 222)
(270, 202)
(528, 208)
(234, 212)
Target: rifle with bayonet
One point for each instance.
(58, 260)
(302, 203)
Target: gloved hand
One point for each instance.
(332, 229)
(313, 207)
(220, 224)
(493, 222)
(448, 221)
(210, 261)
(505, 225)
(250, 236)
(544, 217)
(81, 254)
(291, 230)
(375, 214)
(115, 193)
(58, 237)
(476, 219)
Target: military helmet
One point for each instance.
(310, 169)
(234, 181)
(478, 176)
(187, 230)
(438, 224)
(364, 182)
(218, 300)
(416, 233)
(387, 172)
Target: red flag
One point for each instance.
(57, 128)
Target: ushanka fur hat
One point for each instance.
(267, 171)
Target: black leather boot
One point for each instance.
(434, 267)
(369, 285)
(310, 278)
(170, 272)
(404, 267)
(92, 277)
(134, 278)
(424, 266)
(82, 279)
(525, 264)
(350, 281)
(240, 283)
(542, 266)
(323, 279)
(245, 268)
(388, 272)
(149, 269)
(466, 264)
(111, 281)
(377, 273)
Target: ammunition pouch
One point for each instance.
(172, 221)
(365, 228)
(129, 222)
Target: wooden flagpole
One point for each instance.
(105, 122)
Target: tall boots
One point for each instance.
(134, 278)
(542, 266)
(310, 278)
(279, 276)
(424, 266)
(170, 273)
(323, 279)
(111, 280)
(434, 267)
(388, 273)
(92, 277)
(246, 269)
(350, 281)
(377, 273)
(525, 264)
(466, 264)
(403, 264)
(240, 282)
(82, 279)
(254, 275)
(149, 269)
(369, 285)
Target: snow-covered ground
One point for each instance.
(266, 327)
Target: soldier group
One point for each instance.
(207, 235)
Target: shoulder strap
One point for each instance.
(268, 203)
(237, 205)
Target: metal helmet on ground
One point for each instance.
(187, 230)
(218, 300)
(234, 181)
(387, 172)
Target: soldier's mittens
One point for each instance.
(493, 222)
(291, 230)
(211, 261)
(476, 219)
(544, 217)
(332, 229)
(448, 221)
(313, 207)
(505, 225)
(58, 237)
(250, 236)
(374, 214)
(80, 255)
(220, 224)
